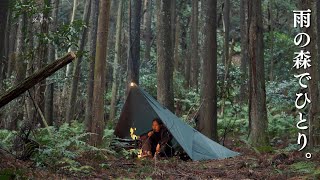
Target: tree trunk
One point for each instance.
(187, 52)
(30, 109)
(116, 66)
(184, 53)
(176, 45)
(42, 58)
(134, 41)
(20, 69)
(48, 113)
(173, 22)
(147, 29)
(97, 122)
(226, 59)
(11, 46)
(3, 39)
(195, 61)
(244, 51)
(270, 29)
(114, 4)
(226, 78)
(165, 55)
(207, 123)
(226, 23)
(68, 68)
(258, 135)
(77, 66)
(35, 78)
(92, 48)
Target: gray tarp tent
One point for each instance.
(141, 108)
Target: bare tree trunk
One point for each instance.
(111, 40)
(226, 78)
(16, 113)
(244, 51)
(184, 53)
(12, 44)
(226, 22)
(187, 60)
(97, 122)
(77, 66)
(92, 48)
(176, 45)
(30, 109)
(258, 134)
(147, 29)
(195, 60)
(68, 68)
(134, 41)
(4, 23)
(207, 123)
(116, 66)
(48, 113)
(270, 29)
(226, 59)
(173, 22)
(165, 55)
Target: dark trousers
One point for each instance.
(149, 145)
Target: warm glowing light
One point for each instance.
(132, 84)
(133, 136)
(140, 153)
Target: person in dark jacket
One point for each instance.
(157, 141)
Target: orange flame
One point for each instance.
(135, 137)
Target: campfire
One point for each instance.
(135, 137)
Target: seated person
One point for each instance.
(157, 141)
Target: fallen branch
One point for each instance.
(35, 78)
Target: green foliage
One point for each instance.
(66, 36)
(6, 138)
(305, 167)
(64, 146)
(27, 7)
(282, 93)
(12, 174)
(280, 105)
(280, 49)
(281, 124)
(129, 154)
(264, 149)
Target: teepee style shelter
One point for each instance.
(141, 108)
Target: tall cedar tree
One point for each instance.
(165, 55)
(116, 69)
(77, 66)
(195, 61)
(48, 113)
(134, 41)
(3, 22)
(258, 121)
(244, 51)
(97, 123)
(207, 123)
(93, 23)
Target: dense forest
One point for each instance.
(228, 68)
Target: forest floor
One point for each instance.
(250, 165)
